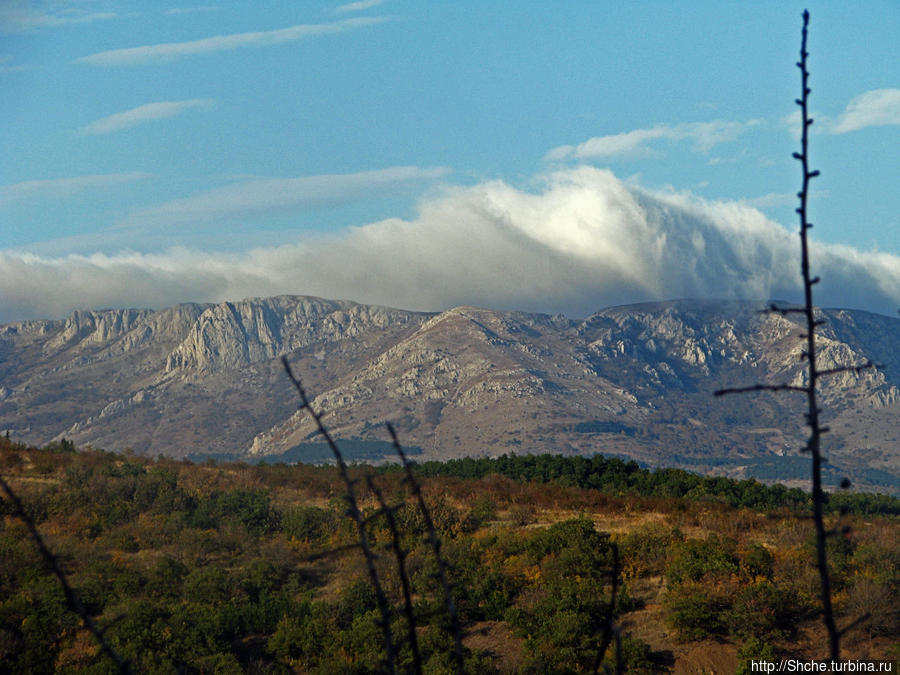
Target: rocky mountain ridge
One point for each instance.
(633, 380)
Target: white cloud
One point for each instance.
(143, 113)
(878, 107)
(190, 10)
(6, 65)
(705, 135)
(271, 195)
(17, 16)
(582, 241)
(63, 187)
(174, 50)
(358, 6)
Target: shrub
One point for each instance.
(696, 613)
(645, 549)
(306, 523)
(753, 649)
(692, 559)
(760, 609)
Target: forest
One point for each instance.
(230, 568)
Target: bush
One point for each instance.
(645, 549)
(696, 613)
(760, 609)
(692, 559)
(753, 649)
(309, 524)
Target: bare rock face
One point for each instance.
(231, 336)
(634, 380)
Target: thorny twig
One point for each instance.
(356, 515)
(610, 630)
(812, 416)
(400, 553)
(435, 541)
(813, 445)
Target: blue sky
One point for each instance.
(531, 155)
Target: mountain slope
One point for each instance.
(634, 380)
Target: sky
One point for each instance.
(555, 157)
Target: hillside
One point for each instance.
(235, 568)
(635, 380)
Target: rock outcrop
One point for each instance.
(634, 380)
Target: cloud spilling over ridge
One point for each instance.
(582, 241)
(174, 50)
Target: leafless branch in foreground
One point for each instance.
(813, 445)
(435, 541)
(610, 630)
(400, 554)
(354, 512)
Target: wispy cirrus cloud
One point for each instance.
(279, 195)
(879, 107)
(62, 187)
(174, 50)
(143, 114)
(704, 135)
(358, 6)
(175, 11)
(17, 16)
(6, 65)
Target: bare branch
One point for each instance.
(847, 369)
(759, 387)
(400, 555)
(435, 542)
(610, 630)
(356, 515)
(813, 445)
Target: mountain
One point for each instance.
(635, 380)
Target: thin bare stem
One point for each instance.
(610, 630)
(812, 415)
(759, 387)
(435, 541)
(356, 515)
(847, 369)
(71, 596)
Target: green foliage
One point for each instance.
(756, 562)
(696, 612)
(693, 559)
(646, 548)
(636, 655)
(563, 616)
(754, 649)
(248, 508)
(762, 609)
(193, 569)
(310, 524)
(620, 477)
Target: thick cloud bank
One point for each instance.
(582, 241)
